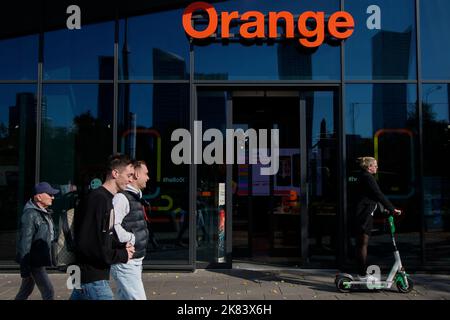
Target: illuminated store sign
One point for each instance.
(340, 24)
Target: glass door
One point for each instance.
(285, 218)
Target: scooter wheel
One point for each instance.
(341, 284)
(405, 289)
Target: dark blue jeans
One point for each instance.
(97, 290)
(39, 277)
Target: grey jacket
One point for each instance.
(34, 243)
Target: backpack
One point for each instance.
(63, 248)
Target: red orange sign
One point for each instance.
(340, 24)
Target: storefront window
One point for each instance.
(19, 39)
(280, 60)
(19, 58)
(84, 54)
(211, 214)
(17, 159)
(387, 53)
(76, 138)
(435, 44)
(322, 159)
(436, 144)
(153, 47)
(381, 122)
(148, 114)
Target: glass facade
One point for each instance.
(381, 120)
(145, 54)
(435, 43)
(131, 76)
(254, 60)
(17, 158)
(65, 59)
(436, 179)
(148, 113)
(388, 53)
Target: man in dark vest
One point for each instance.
(131, 227)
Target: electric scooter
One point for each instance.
(346, 283)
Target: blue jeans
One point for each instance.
(97, 290)
(128, 277)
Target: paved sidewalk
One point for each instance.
(245, 284)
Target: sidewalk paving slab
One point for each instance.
(239, 284)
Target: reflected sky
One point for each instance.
(19, 58)
(360, 113)
(435, 36)
(65, 102)
(438, 96)
(140, 35)
(76, 54)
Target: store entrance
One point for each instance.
(288, 218)
(266, 209)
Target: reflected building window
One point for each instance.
(153, 55)
(382, 122)
(386, 54)
(148, 114)
(17, 159)
(77, 122)
(66, 57)
(436, 179)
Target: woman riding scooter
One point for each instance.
(369, 199)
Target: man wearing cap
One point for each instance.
(34, 243)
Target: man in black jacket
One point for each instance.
(34, 244)
(96, 247)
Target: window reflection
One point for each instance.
(435, 42)
(17, 159)
(152, 48)
(19, 58)
(66, 55)
(212, 113)
(381, 121)
(436, 133)
(322, 157)
(284, 60)
(148, 114)
(77, 122)
(388, 53)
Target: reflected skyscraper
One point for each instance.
(167, 98)
(125, 119)
(391, 55)
(105, 91)
(167, 65)
(22, 128)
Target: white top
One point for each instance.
(121, 209)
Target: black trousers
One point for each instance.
(39, 277)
